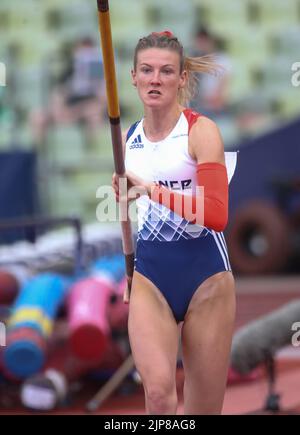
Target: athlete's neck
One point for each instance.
(158, 124)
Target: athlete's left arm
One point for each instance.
(206, 147)
(205, 142)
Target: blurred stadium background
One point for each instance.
(261, 38)
(59, 176)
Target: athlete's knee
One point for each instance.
(161, 398)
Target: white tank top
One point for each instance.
(169, 163)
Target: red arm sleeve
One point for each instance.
(213, 177)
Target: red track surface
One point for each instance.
(255, 297)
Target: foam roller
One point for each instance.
(31, 323)
(87, 313)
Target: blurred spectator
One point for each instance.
(77, 97)
(212, 97)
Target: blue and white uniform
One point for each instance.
(174, 254)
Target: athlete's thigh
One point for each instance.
(208, 326)
(153, 331)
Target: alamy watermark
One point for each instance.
(108, 210)
(2, 74)
(2, 334)
(296, 336)
(296, 76)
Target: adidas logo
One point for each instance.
(136, 143)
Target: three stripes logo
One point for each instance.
(137, 143)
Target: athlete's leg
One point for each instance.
(153, 334)
(206, 342)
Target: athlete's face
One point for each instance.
(158, 77)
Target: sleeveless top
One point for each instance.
(169, 163)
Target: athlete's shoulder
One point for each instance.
(206, 141)
(204, 125)
(192, 117)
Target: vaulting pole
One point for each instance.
(116, 134)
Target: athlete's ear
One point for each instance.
(133, 77)
(183, 79)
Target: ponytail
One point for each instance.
(195, 66)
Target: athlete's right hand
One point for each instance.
(135, 186)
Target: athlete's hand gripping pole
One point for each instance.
(116, 135)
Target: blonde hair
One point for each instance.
(192, 65)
